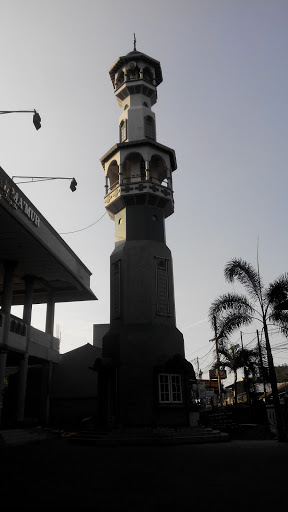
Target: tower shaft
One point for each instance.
(145, 374)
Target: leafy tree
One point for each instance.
(282, 373)
(232, 311)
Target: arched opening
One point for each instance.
(133, 168)
(120, 78)
(133, 73)
(158, 169)
(150, 127)
(113, 174)
(147, 74)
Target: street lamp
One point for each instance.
(36, 116)
(33, 179)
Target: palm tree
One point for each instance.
(233, 310)
(230, 357)
(234, 358)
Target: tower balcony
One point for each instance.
(135, 191)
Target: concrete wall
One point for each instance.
(74, 386)
(138, 297)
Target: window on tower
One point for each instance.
(162, 287)
(170, 388)
(123, 130)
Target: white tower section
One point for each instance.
(138, 169)
(135, 86)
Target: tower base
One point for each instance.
(131, 393)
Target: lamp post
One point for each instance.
(36, 116)
(33, 179)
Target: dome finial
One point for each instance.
(134, 42)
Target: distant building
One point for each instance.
(74, 386)
(99, 331)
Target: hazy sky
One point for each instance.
(222, 106)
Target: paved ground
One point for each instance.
(57, 475)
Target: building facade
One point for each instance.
(36, 267)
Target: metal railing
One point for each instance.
(130, 181)
(136, 79)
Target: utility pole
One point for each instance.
(282, 434)
(198, 368)
(218, 361)
(261, 364)
(245, 374)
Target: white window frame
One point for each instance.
(170, 391)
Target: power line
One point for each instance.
(197, 350)
(82, 229)
(203, 357)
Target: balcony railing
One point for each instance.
(17, 326)
(134, 79)
(134, 180)
(40, 344)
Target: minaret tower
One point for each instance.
(146, 371)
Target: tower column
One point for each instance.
(3, 358)
(45, 391)
(50, 313)
(120, 174)
(106, 185)
(9, 269)
(169, 177)
(28, 301)
(147, 170)
(23, 365)
(22, 382)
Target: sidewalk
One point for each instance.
(58, 475)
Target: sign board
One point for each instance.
(15, 200)
(213, 374)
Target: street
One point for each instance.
(58, 475)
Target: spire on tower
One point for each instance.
(134, 42)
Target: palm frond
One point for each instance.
(233, 320)
(280, 318)
(277, 291)
(246, 274)
(229, 303)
